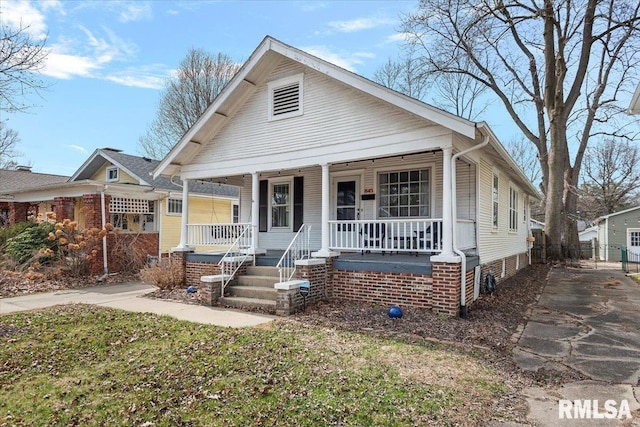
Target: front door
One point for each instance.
(346, 207)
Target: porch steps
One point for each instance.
(254, 290)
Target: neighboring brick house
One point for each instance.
(361, 171)
(117, 188)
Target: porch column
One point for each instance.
(326, 213)
(255, 209)
(185, 215)
(447, 254)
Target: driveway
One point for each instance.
(130, 297)
(587, 321)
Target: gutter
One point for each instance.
(454, 214)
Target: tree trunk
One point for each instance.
(555, 210)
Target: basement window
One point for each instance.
(285, 97)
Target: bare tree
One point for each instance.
(459, 94)
(403, 76)
(525, 156)
(21, 58)
(198, 80)
(611, 176)
(9, 140)
(557, 66)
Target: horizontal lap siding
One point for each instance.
(334, 114)
(500, 243)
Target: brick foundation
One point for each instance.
(511, 265)
(413, 290)
(315, 271)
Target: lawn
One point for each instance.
(82, 365)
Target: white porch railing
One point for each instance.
(298, 249)
(218, 234)
(398, 235)
(233, 259)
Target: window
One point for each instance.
(404, 194)
(285, 97)
(235, 213)
(496, 198)
(280, 205)
(112, 173)
(174, 206)
(513, 209)
(134, 215)
(634, 239)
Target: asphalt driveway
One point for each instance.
(587, 321)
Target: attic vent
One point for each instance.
(285, 97)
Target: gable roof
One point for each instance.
(15, 180)
(634, 106)
(254, 73)
(142, 169)
(603, 217)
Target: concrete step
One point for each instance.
(259, 270)
(256, 292)
(249, 303)
(258, 281)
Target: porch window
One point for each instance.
(235, 213)
(174, 206)
(280, 205)
(496, 198)
(133, 215)
(513, 209)
(404, 194)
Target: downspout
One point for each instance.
(454, 215)
(104, 240)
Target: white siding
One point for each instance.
(334, 116)
(500, 243)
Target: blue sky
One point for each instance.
(108, 60)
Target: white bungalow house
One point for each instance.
(371, 194)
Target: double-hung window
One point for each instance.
(404, 194)
(112, 174)
(495, 197)
(281, 204)
(513, 209)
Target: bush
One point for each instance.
(165, 274)
(31, 242)
(13, 231)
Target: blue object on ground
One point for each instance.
(395, 312)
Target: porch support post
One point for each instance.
(326, 212)
(255, 210)
(447, 254)
(184, 219)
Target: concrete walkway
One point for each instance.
(129, 296)
(587, 321)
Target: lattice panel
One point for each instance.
(122, 205)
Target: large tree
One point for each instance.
(22, 57)
(187, 94)
(558, 68)
(611, 178)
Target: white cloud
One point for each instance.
(146, 77)
(63, 66)
(77, 148)
(359, 24)
(22, 13)
(346, 60)
(398, 37)
(135, 11)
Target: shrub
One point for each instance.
(165, 274)
(23, 247)
(76, 249)
(9, 232)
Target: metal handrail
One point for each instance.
(297, 249)
(233, 259)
